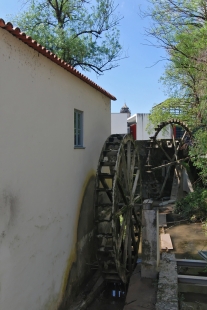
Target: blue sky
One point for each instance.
(135, 81)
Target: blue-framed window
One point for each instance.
(78, 128)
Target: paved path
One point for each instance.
(141, 293)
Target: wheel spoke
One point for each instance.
(121, 211)
(135, 185)
(122, 191)
(175, 146)
(181, 140)
(133, 159)
(173, 135)
(166, 154)
(124, 168)
(134, 244)
(178, 162)
(125, 250)
(165, 180)
(177, 172)
(129, 250)
(120, 237)
(129, 160)
(138, 221)
(105, 185)
(183, 136)
(136, 199)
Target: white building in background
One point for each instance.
(118, 123)
(53, 123)
(137, 124)
(142, 130)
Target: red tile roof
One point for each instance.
(42, 50)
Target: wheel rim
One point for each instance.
(118, 224)
(177, 144)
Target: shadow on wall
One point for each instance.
(85, 248)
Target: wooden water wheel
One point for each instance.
(117, 213)
(174, 152)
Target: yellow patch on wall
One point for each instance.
(72, 258)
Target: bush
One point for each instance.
(198, 153)
(194, 205)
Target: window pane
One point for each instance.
(79, 121)
(78, 128)
(74, 127)
(79, 139)
(75, 135)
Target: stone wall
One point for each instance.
(167, 293)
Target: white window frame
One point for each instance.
(78, 129)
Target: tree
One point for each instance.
(180, 27)
(185, 79)
(83, 35)
(170, 17)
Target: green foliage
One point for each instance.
(198, 152)
(194, 205)
(185, 75)
(180, 26)
(167, 110)
(82, 35)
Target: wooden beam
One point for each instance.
(192, 279)
(191, 263)
(171, 163)
(166, 243)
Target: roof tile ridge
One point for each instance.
(53, 57)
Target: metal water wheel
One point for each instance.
(118, 207)
(174, 151)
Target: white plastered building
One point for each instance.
(53, 123)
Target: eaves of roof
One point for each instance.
(42, 50)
